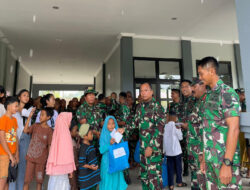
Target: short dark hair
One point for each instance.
(123, 94)
(101, 97)
(176, 90)
(113, 93)
(73, 124)
(209, 61)
(49, 111)
(45, 98)
(150, 86)
(2, 91)
(186, 80)
(10, 100)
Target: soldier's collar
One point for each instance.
(218, 84)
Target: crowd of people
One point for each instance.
(198, 133)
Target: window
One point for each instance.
(162, 74)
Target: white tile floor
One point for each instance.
(136, 185)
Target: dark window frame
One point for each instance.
(157, 81)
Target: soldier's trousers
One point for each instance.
(184, 153)
(213, 182)
(197, 177)
(151, 175)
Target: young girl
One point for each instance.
(39, 147)
(48, 101)
(115, 180)
(88, 171)
(61, 157)
(24, 139)
(74, 134)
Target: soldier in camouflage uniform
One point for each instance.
(174, 106)
(185, 109)
(102, 106)
(89, 111)
(123, 112)
(114, 107)
(194, 136)
(150, 119)
(221, 162)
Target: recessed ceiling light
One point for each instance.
(31, 52)
(122, 12)
(59, 40)
(55, 7)
(34, 18)
(202, 1)
(174, 18)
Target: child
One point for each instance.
(89, 174)
(39, 147)
(115, 180)
(74, 134)
(172, 149)
(61, 162)
(8, 138)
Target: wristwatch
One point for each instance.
(227, 162)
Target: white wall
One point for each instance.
(223, 52)
(98, 84)
(156, 48)
(10, 73)
(113, 76)
(23, 80)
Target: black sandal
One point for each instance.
(182, 184)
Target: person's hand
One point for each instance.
(32, 112)
(225, 174)
(184, 125)
(200, 158)
(94, 167)
(13, 161)
(112, 141)
(148, 152)
(71, 175)
(121, 130)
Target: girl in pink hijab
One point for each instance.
(61, 162)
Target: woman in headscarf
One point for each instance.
(115, 180)
(61, 164)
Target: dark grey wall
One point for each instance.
(37, 87)
(187, 66)
(127, 73)
(3, 52)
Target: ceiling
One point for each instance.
(69, 44)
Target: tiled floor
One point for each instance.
(136, 185)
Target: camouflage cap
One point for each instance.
(195, 81)
(90, 91)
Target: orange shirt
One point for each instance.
(9, 126)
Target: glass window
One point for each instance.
(169, 70)
(144, 69)
(225, 73)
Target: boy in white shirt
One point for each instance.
(172, 149)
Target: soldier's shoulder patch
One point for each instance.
(227, 97)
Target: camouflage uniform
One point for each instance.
(195, 144)
(114, 107)
(173, 107)
(221, 102)
(103, 110)
(123, 113)
(185, 109)
(150, 119)
(92, 114)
